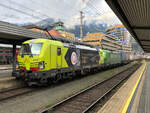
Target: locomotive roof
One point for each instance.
(65, 40)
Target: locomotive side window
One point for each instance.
(58, 51)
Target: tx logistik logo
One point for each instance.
(74, 58)
(26, 60)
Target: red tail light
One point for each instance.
(34, 68)
(22, 68)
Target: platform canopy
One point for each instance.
(10, 34)
(135, 15)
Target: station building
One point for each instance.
(118, 33)
(57, 30)
(94, 38)
(105, 42)
(115, 39)
(120, 36)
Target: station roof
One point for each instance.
(135, 15)
(10, 33)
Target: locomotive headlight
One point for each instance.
(41, 65)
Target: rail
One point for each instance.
(86, 99)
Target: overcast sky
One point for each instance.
(24, 11)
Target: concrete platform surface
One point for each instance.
(5, 73)
(5, 67)
(144, 105)
(121, 100)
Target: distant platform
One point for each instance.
(5, 67)
(5, 71)
(144, 103)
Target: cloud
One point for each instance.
(20, 11)
(109, 18)
(84, 3)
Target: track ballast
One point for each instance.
(84, 101)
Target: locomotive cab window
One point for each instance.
(58, 51)
(33, 48)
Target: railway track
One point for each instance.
(13, 92)
(85, 100)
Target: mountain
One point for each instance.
(87, 28)
(45, 23)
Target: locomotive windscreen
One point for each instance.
(31, 49)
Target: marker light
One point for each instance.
(17, 65)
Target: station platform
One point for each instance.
(133, 96)
(144, 104)
(5, 71)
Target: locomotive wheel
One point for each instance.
(43, 80)
(57, 78)
(73, 74)
(18, 78)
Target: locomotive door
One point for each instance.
(59, 57)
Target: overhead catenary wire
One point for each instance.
(24, 12)
(20, 11)
(98, 11)
(36, 12)
(22, 6)
(36, 17)
(45, 6)
(43, 16)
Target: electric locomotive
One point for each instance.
(43, 61)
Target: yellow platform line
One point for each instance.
(132, 92)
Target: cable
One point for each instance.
(22, 6)
(92, 7)
(22, 12)
(48, 8)
(97, 11)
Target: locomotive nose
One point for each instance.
(27, 62)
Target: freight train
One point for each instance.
(43, 61)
